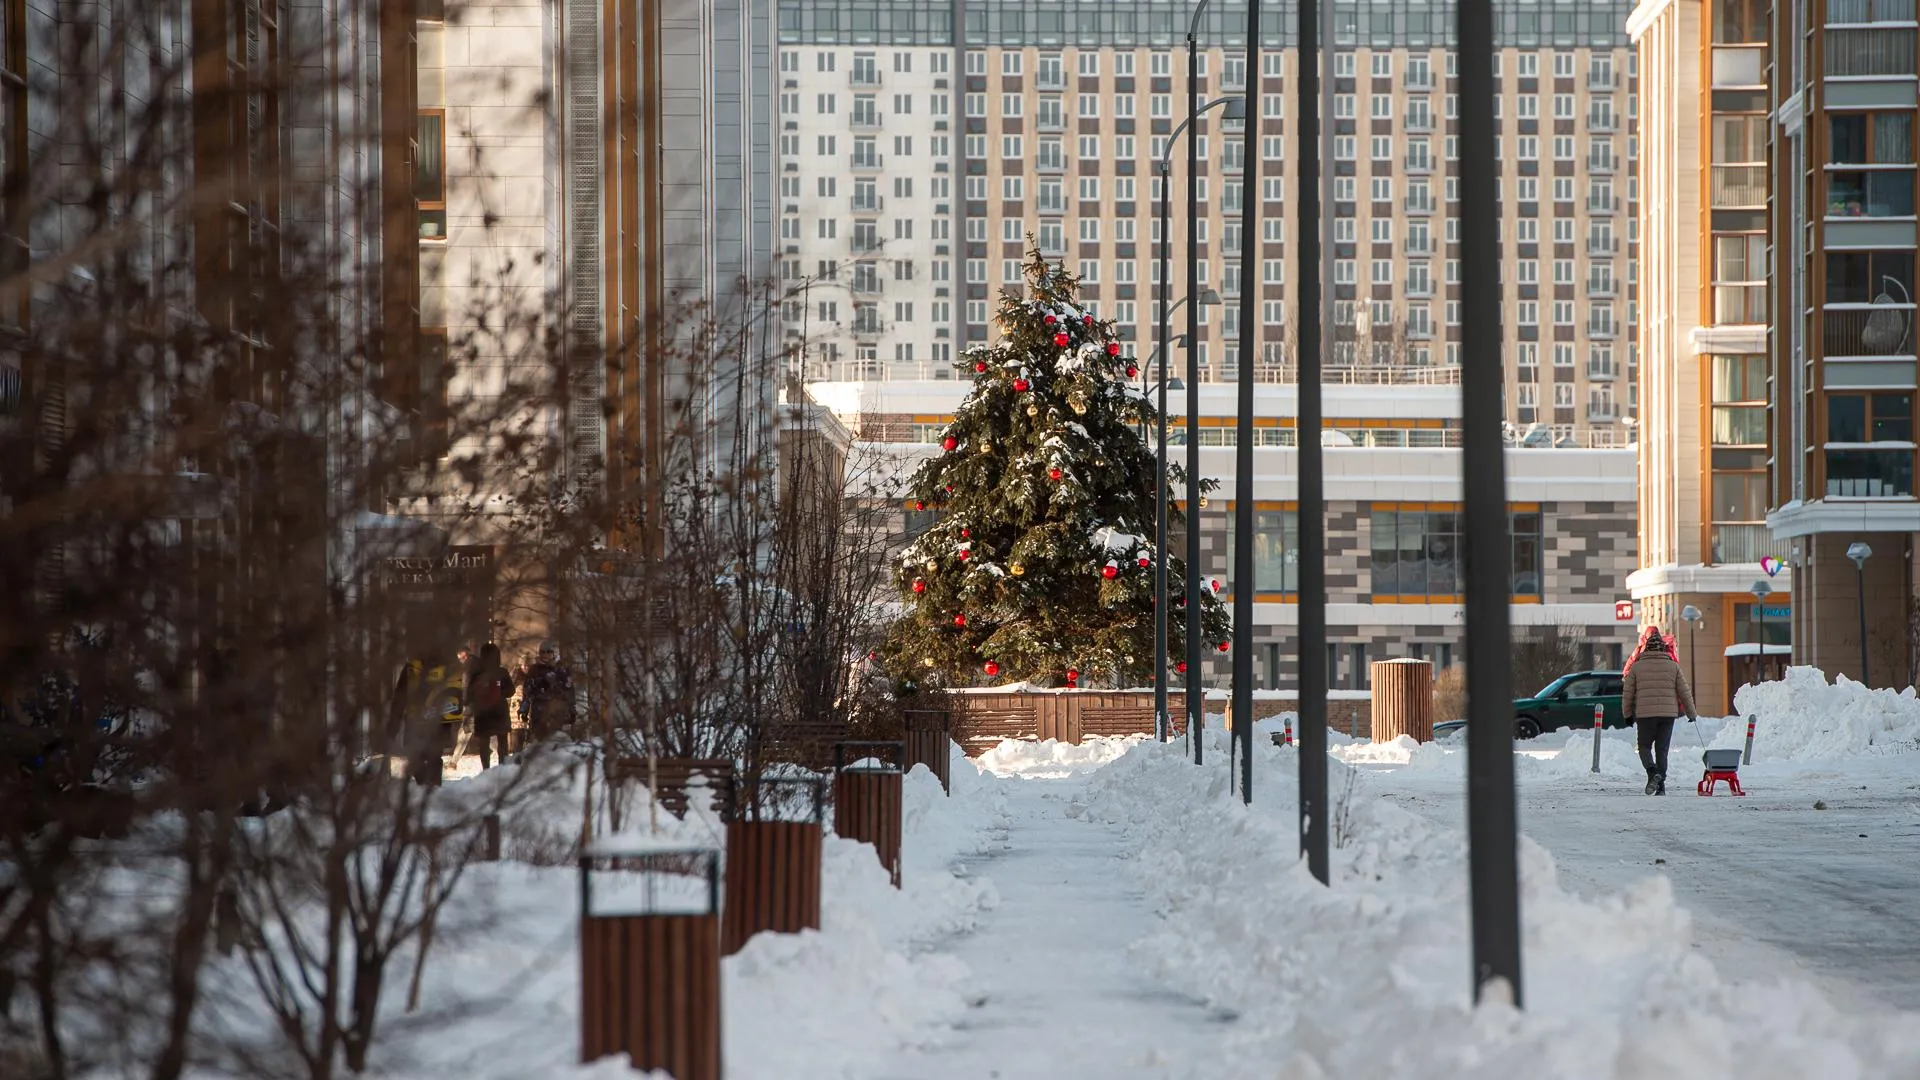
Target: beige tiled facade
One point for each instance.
(944, 159)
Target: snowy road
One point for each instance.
(1776, 887)
(1054, 994)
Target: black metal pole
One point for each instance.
(1160, 491)
(1492, 820)
(1196, 694)
(1312, 613)
(1243, 583)
(1760, 639)
(1860, 577)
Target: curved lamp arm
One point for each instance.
(1166, 156)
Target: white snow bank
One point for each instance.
(1804, 718)
(1370, 978)
(1052, 759)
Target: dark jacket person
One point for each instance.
(1654, 695)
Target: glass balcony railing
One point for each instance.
(1869, 473)
(1870, 193)
(1741, 543)
(1869, 52)
(1844, 12)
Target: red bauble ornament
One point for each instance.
(1073, 676)
(1181, 667)
(963, 554)
(992, 668)
(980, 367)
(1088, 320)
(1132, 371)
(948, 489)
(1144, 562)
(1223, 646)
(918, 505)
(959, 620)
(919, 585)
(1020, 385)
(1113, 349)
(1060, 339)
(1110, 571)
(1053, 473)
(965, 535)
(1214, 584)
(949, 443)
(1051, 320)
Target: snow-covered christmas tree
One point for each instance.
(1040, 564)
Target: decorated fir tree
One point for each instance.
(1039, 566)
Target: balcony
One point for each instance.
(1880, 52)
(1739, 186)
(1602, 288)
(863, 120)
(1419, 80)
(1741, 544)
(1602, 79)
(1602, 205)
(1868, 330)
(1601, 163)
(1050, 79)
(864, 78)
(1870, 193)
(1419, 204)
(869, 204)
(1601, 120)
(1419, 245)
(1601, 329)
(1420, 286)
(1421, 163)
(1602, 371)
(1419, 120)
(1855, 12)
(867, 161)
(1598, 248)
(1870, 474)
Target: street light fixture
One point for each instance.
(1859, 552)
(1762, 588)
(1692, 617)
(1196, 705)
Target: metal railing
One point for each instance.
(1871, 330)
(1739, 185)
(1741, 543)
(1845, 12)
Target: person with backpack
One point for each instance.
(489, 687)
(1654, 695)
(546, 699)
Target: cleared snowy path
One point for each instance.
(1055, 994)
(1776, 887)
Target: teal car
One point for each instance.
(1566, 702)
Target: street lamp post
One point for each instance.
(1859, 552)
(1236, 107)
(1691, 616)
(1762, 588)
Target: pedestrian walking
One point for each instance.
(1654, 696)
(546, 693)
(413, 728)
(489, 689)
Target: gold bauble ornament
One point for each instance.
(1203, 502)
(932, 565)
(1033, 410)
(986, 448)
(1017, 569)
(1079, 409)
(1099, 463)
(928, 661)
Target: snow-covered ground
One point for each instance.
(1109, 910)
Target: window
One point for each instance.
(1739, 278)
(1864, 277)
(1089, 63)
(430, 173)
(1416, 553)
(1276, 550)
(1869, 418)
(1012, 104)
(1010, 63)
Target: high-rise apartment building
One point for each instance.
(1703, 339)
(1843, 352)
(914, 160)
(609, 164)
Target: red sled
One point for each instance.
(1721, 765)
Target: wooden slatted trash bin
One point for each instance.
(650, 956)
(773, 858)
(867, 797)
(929, 737)
(1402, 700)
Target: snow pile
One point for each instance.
(1804, 718)
(1051, 759)
(1403, 750)
(1370, 978)
(500, 994)
(1619, 753)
